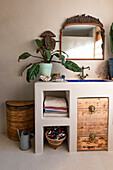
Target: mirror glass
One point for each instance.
(82, 41)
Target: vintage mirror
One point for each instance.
(82, 38)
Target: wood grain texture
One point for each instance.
(92, 122)
(84, 144)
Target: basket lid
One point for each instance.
(19, 103)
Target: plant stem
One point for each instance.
(29, 66)
(36, 56)
(56, 61)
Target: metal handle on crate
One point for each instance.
(92, 137)
(91, 108)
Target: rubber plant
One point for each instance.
(111, 37)
(47, 55)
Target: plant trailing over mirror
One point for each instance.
(45, 48)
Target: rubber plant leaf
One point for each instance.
(38, 49)
(62, 52)
(24, 56)
(49, 45)
(47, 54)
(60, 56)
(72, 66)
(111, 38)
(32, 72)
(39, 43)
(26, 68)
(111, 44)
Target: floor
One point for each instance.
(12, 158)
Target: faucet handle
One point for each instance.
(88, 67)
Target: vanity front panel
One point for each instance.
(92, 124)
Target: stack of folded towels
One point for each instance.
(55, 107)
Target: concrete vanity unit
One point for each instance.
(72, 91)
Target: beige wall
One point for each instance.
(21, 21)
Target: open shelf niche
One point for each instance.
(61, 94)
(65, 143)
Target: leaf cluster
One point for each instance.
(46, 54)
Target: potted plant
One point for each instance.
(46, 58)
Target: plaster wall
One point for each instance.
(22, 21)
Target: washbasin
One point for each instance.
(99, 80)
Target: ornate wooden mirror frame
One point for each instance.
(83, 20)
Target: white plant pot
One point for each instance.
(45, 69)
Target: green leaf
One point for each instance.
(38, 49)
(39, 43)
(32, 72)
(62, 52)
(47, 54)
(61, 57)
(50, 44)
(24, 56)
(26, 68)
(111, 38)
(72, 66)
(111, 44)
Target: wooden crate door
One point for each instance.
(92, 124)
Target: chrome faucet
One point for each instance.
(83, 76)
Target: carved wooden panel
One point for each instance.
(92, 124)
(47, 40)
(82, 19)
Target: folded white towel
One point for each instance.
(55, 115)
(55, 102)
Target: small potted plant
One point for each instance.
(46, 59)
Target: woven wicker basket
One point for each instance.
(19, 115)
(53, 142)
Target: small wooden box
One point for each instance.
(92, 124)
